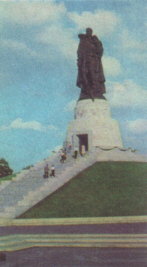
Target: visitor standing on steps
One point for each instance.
(65, 150)
(83, 150)
(69, 148)
(46, 171)
(61, 153)
(52, 171)
(63, 157)
(76, 151)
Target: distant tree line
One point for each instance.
(5, 170)
(27, 167)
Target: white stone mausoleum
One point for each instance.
(93, 126)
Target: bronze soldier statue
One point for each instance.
(90, 70)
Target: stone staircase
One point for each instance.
(28, 187)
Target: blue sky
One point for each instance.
(38, 71)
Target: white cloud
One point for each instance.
(128, 42)
(139, 56)
(19, 46)
(137, 50)
(102, 22)
(55, 36)
(138, 126)
(112, 66)
(52, 127)
(70, 106)
(30, 125)
(61, 39)
(33, 13)
(127, 94)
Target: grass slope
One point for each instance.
(105, 189)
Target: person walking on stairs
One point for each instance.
(82, 150)
(52, 171)
(46, 171)
(76, 151)
(63, 157)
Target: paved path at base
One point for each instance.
(15, 238)
(77, 257)
(118, 244)
(115, 228)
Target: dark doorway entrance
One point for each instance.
(83, 140)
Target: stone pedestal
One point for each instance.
(93, 126)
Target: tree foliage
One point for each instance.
(27, 167)
(5, 170)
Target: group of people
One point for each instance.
(49, 172)
(64, 151)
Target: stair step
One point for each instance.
(29, 187)
(3, 184)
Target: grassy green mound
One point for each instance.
(105, 189)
